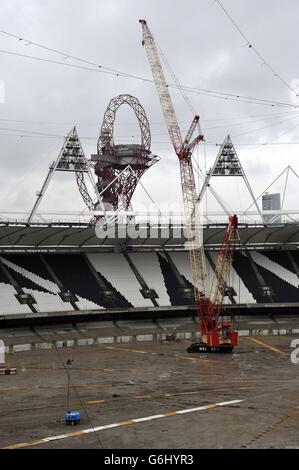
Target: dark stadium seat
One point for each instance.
(243, 268)
(174, 290)
(76, 276)
(280, 257)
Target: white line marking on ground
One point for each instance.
(121, 423)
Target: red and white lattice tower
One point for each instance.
(120, 167)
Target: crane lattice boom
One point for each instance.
(215, 334)
(210, 308)
(183, 149)
(162, 89)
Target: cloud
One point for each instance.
(203, 49)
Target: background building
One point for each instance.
(271, 202)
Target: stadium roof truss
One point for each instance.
(81, 237)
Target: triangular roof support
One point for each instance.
(287, 170)
(71, 158)
(227, 163)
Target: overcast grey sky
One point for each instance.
(204, 49)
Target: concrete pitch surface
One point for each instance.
(119, 384)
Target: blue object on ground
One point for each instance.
(72, 417)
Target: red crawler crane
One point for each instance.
(215, 335)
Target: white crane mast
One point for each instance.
(183, 150)
(161, 86)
